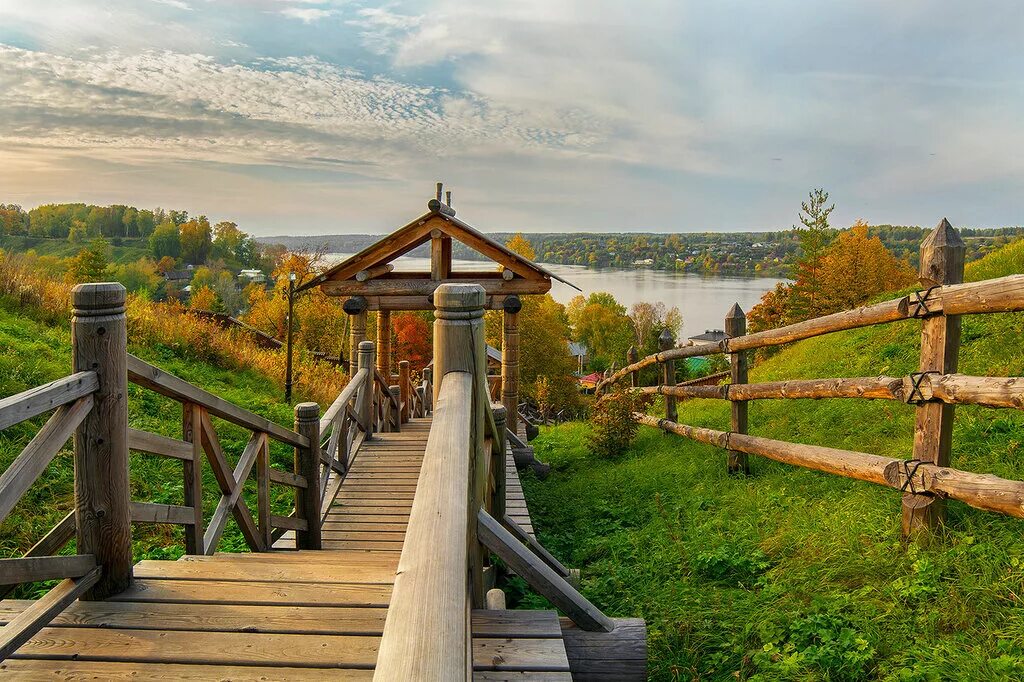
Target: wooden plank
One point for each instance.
(426, 287)
(47, 671)
(23, 626)
(531, 543)
(363, 544)
(49, 544)
(40, 451)
(35, 401)
(287, 478)
(155, 444)
(357, 526)
(228, 502)
(616, 656)
(541, 655)
(254, 592)
(382, 573)
(540, 576)
(149, 512)
(520, 676)
(32, 569)
(164, 383)
(511, 624)
(202, 648)
(288, 522)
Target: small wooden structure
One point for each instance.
(369, 281)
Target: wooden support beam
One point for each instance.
(357, 332)
(376, 271)
(540, 576)
(426, 287)
(384, 342)
(307, 465)
(192, 475)
(942, 263)
(99, 337)
(510, 360)
(405, 389)
(22, 627)
(735, 327)
(616, 656)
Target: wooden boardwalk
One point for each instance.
(282, 615)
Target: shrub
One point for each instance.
(614, 425)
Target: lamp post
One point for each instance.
(288, 366)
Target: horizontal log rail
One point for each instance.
(982, 491)
(953, 389)
(1005, 294)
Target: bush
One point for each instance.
(614, 425)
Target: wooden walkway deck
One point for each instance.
(282, 615)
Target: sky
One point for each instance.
(338, 116)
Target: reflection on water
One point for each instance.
(703, 300)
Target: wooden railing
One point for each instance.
(92, 405)
(458, 514)
(925, 478)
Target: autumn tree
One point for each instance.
(165, 241)
(202, 298)
(90, 264)
(856, 267)
(601, 323)
(412, 339)
(521, 246)
(196, 240)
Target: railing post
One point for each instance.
(632, 356)
(99, 340)
(736, 325)
(942, 262)
(405, 382)
(395, 420)
(668, 374)
(364, 395)
(459, 346)
(498, 460)
(428, 390)
(307, 465)
(510, 359)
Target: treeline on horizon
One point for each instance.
(727, 253)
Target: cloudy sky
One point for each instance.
(316, 116)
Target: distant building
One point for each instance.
(256, 276)
(579, 351)
(644, 261)
(178, 276)
(709, 335)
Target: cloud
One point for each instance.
(177, 4)
(308, 15)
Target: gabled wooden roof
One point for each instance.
(439, 221)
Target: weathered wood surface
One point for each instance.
(21, 627)
(33, 569)
(735, 327)
(35, 401)
(982, 491)
(616, 656)
(166, 384)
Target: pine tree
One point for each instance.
(815, 236)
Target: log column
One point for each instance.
(736, 325)
(942, 262)
(384, 344)
(307, 465)
(99, 341)
(364, 394)
(510, 360)
(356, 309)
(460, 346)
(668, 374)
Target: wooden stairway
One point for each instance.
(281, 615)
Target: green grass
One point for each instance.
(32, 353)
(792, 574)
(129, 251)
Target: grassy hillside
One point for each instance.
(121, 250)
(793, 574)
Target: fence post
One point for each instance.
(307, 465)
(99, 340)
(364, 394)
(428, 393)
(395, 412)
(942, 262)
(668, 374)
(632, 356)
(459, 346)
(736, 325)
(498, 460)
(405, 381)
(384, 343)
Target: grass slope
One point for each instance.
(128, 250)
(33, 353)
(792, 574)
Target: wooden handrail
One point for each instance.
(953, 389)
(425, 634)
(343, 399)
(166, 384)
(35, 401)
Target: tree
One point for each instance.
(518, 244)
(139, 276)
(165, 241)
(814, 236)
(90, 265)
(601, 323)
(856, 267)
(412, 339)
(202, 298)
(196, 240)
(227, 241)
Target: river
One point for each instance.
(703, 300)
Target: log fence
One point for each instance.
(925, 478)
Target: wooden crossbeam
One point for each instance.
(22, 627)
(230, 488)
(35, 401)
